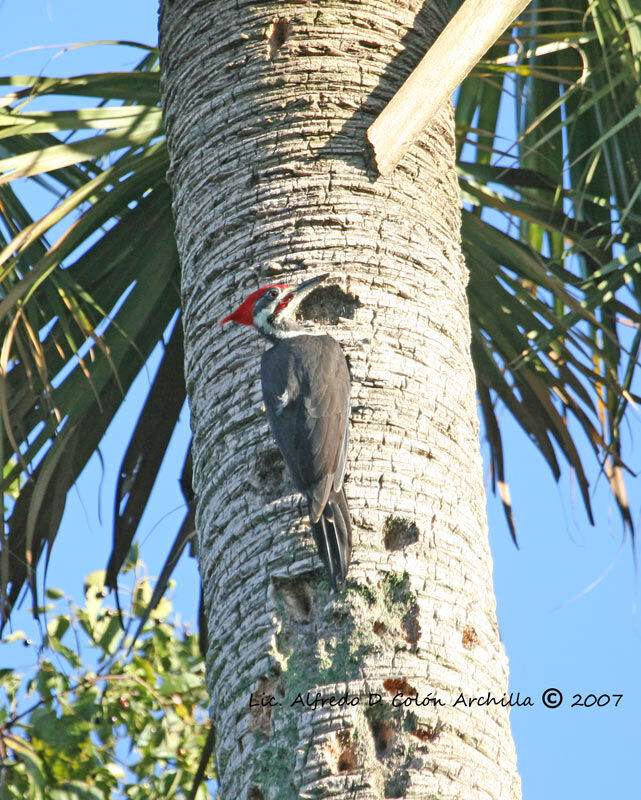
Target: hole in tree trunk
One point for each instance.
(277, 34)
(395, 685)
(470, 637)
(341, 752)
(297, 597)
(384, 735)
(329, 304)
(347, 760)
(399, 532)
(263, 699)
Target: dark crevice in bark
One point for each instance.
(297, 598)
(269, 472)
(411, 625)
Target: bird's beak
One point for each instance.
(297, 294)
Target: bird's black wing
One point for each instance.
(306, 392)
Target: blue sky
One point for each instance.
(556, 633)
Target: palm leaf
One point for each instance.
(146, 451)
(569, 192)
(79, 317)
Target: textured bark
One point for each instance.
(266, 106)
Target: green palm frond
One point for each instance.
(550, 233)
(88, 290)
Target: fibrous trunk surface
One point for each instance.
(266, 107)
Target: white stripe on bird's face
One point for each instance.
(262, 316)
(276, 324)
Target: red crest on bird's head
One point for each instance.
(244, 314)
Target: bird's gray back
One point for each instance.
(306, 390)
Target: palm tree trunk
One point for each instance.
(266, 108)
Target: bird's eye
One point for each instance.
(273, 293)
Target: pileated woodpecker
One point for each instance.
(306, 393)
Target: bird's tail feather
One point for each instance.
(333, 537)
